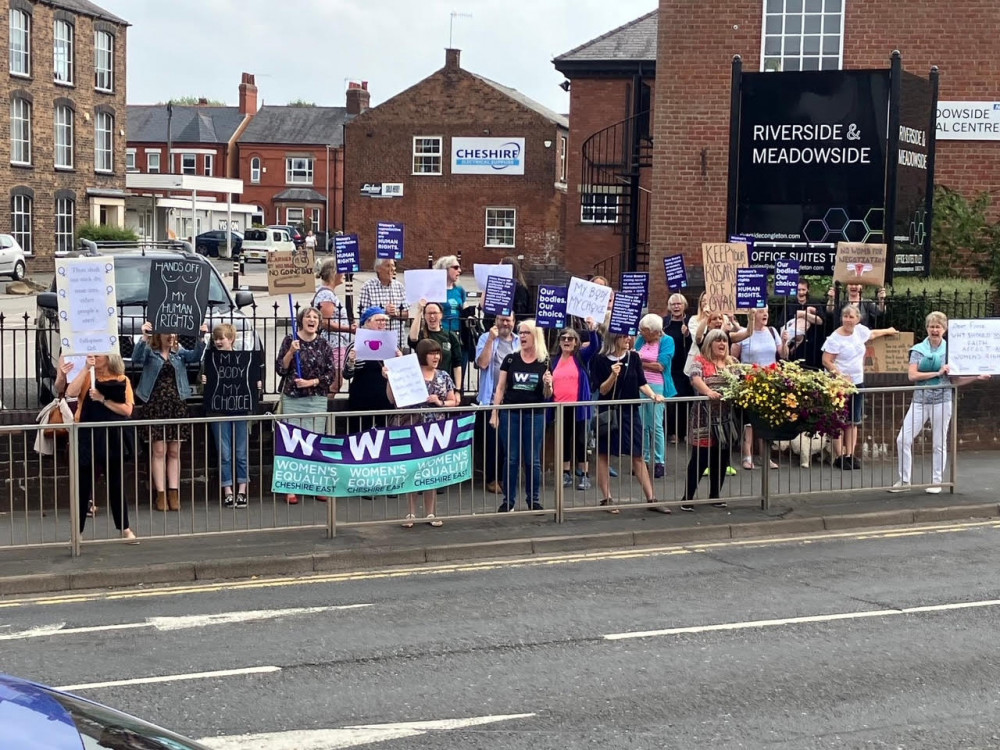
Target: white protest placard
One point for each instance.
(88, 307)
(972, 348)
(585, 299)
(375, 345)
(79, 362)
(406, 380)
(429, 284)
(483, 271)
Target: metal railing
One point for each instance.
(577, 469)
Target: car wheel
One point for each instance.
(201, 249)
(18, 271)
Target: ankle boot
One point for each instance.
(161, 501)
(174, 499)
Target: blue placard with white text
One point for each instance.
(636, 284)
(389, 240)
(625, 314)
(751, 288)
(550, 311)
(786, 277)
(676, 272)
(498, 298)
(348, 253)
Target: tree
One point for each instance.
(301, 103)
(964, 235)
(193, 101)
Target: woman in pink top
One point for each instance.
(571, 383)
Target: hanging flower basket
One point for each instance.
(766, 431)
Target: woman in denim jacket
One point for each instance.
(163, 388)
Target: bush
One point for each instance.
(104, 233)
(911, 299)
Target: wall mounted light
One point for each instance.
(565, 85)
(548, 144)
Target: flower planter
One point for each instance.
(766, 431)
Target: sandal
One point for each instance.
(748, 463)
(92, 510)
(773, 464)
(606, 502)
(408, 524)
(434, 521)
(128, 536)
(658, 508)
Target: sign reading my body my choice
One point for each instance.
(231, 381)
(348, 253)
(550, 312)
(178, 296)
(389, 240)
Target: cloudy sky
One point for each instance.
(308, 49)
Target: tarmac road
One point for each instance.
(881, 639)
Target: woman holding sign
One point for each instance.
(763, 347)
(336, 325)
(429, 324)
(928, 367)
(657, 353)
(164, 388)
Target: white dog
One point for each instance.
(805, 446)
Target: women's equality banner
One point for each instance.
(381, 461)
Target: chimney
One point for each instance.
(248, 95)
(452, 59)
(358, 97)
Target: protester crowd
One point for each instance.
(521, 370)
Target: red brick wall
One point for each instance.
(446, 214)
(695, 49)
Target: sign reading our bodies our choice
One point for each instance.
(972, 348)
(88, 308)
(503, 156)
(550, 311)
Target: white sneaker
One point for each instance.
(899, 487)
(933, 490)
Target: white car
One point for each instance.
(260, 241)
(11, 258)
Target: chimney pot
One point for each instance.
(248, 95)
(357, 97)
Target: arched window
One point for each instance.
(255, 169)
(20, 219)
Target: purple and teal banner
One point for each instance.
(381, 461)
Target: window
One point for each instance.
(209, 164)
(104, 61)
(20, 131)
(500, 223)
(298, 171)
(20, 43)
(189, 164)
(802, 35)
(20, 220)
(255, 169)
(295, 216)
(64, 138)
(315, 219)
(104, 142)
(599, 208)
(65, 209)
(563, 156)
(153, 162)
(62, 48)
(130, 160)
(426, 155)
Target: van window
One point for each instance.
(255, 235)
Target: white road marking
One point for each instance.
(331, 739)
(171, 678)
(164, 624)
(804, 620)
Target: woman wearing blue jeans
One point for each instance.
(524, 379)
(656, 352)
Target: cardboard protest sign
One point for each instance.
(498, 299)
(751, 288)
(786, 277)
(721, 259)
(972, 348)
(636, 284)
(585, 299)
(231, 379)
(291, 272)
(676, 273)
(860, 263)
(348, 253)
(389, 240)
(625, 314)
(550, 310)
(88, 307)
(178, 296)
(889, 353)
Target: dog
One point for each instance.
(806, 445)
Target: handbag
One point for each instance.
(56, 413)
(608, 419)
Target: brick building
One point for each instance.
(65, 135)
(698, 40)
(609, 161)
(468, 165)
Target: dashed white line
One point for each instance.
(170, 678)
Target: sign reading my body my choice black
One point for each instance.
(178, 296)
(231, 381)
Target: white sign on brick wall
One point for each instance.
(501, 156)
(968, 121)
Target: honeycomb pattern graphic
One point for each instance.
(837, 225)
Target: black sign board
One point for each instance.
(231, 381)
(178, 296)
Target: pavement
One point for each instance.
(302, 551)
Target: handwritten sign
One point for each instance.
(291, 272)
(625, 313)
(636, 284)
(676, 273)
(88, 307)
(860, 263)
(389, 240)
(499, 296)
(348, 253)
(889, 353)
(178, 296)
(406, 380)
(483, 271)
(751, 288)
(786, 277)
(550, 310)
(972, 347)
(231, 381)
(429, 284)
(375, 345)
(721, 259)
(585, 299)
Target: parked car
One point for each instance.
(11, 258)
(213, 243)
(260, 241)
(36, 717)
(298, 237)
(132, 272)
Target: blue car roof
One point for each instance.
(31, 719)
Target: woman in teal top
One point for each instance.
(928, 366)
